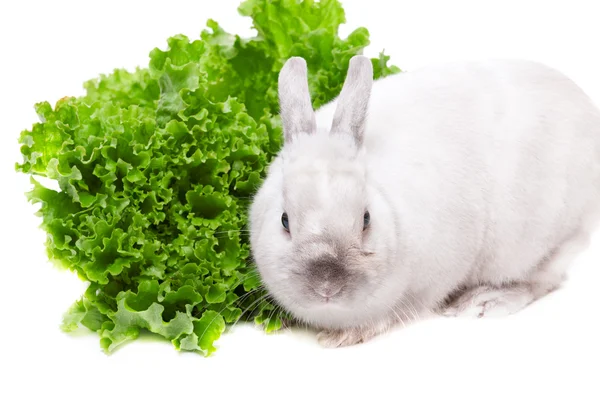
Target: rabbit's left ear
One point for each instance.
(351, 112)
(296, 112)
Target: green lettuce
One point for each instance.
(156, 168)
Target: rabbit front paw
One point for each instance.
(341, 337)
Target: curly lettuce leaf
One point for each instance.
(156, 168)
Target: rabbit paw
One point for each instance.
(486, 301)
(341, 337)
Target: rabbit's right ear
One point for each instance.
(296, 109)
(353, 102)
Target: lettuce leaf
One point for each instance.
(156, 168)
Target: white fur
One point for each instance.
(479, 174)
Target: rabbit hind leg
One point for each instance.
(494, 301)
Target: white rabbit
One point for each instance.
(467, 187)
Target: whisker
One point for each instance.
(251, 308)
(235, 285)
(397, 316)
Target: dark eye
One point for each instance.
(285, 222)
(366, 219)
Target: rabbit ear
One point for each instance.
(295, 106)
(351, 112)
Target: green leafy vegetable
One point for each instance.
(156, 169)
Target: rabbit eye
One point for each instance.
(366, 220)
(285, 222)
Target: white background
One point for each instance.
(49, 48)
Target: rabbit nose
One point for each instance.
(327, 276)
